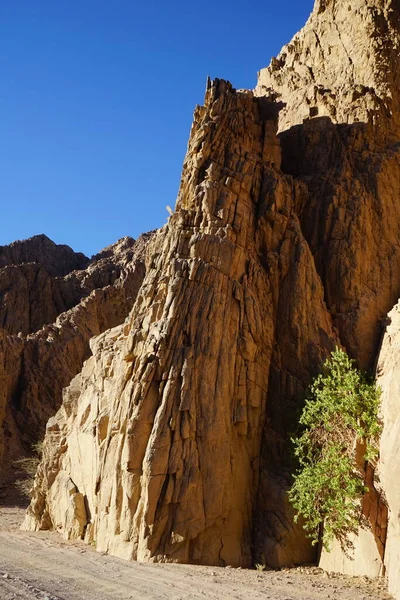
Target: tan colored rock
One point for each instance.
(388, 377)
(361, 560)
(33, 292)
(337, 93)
(162, 430)
(36, 366)
(176, 433)
(342, 66)
(378, 549)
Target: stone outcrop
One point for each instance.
(34, 293)
(173, 441)
(337, 87)
(161, 432)
(388, 377)
(342, 65)
(57, 259)
(48, 320)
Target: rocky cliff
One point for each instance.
(227, 327)
(172, 443)
(388, 471)
(52, 301)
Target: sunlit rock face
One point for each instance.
(172, 443)
(171, 424)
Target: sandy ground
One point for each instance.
(43, 566)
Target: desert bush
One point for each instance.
(340, 419)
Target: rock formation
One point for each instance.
(172, 443)
(50, 308)
(155, 452)
(389, 464)
(58, 260)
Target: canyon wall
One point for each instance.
(50, 308)
(173, 441)
(230, 313)
(388, 472)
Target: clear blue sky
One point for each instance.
(96, 103)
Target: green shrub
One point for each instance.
(339, 419)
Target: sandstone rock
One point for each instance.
(342, 65)
(56, 259)
(336, 89)
(389, 465)
(33, 293)
(369, 556)
(162, 430)
(176, 432)
(37, 365)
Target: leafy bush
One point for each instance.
(340, 419)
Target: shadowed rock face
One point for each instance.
(58, 260)
(388, 471)
(338, 85)
(47, 321)
(172, 443)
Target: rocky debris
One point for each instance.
(37, 365)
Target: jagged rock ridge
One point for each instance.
(172, 444)
(57, 259)
(49, 310)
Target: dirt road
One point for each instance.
(43, 566)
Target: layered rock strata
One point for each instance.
(48, 320)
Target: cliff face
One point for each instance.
(338, 96)
(342, 65)
(172, 443)
(388, 470)
(230, 321)
(47, 320)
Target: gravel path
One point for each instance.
(43, 566)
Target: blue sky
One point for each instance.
(96, 103)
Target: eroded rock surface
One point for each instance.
(172, 444)
(342, 65)
(162, 430)
(48, 320)
(388, 377)
(57, 259)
